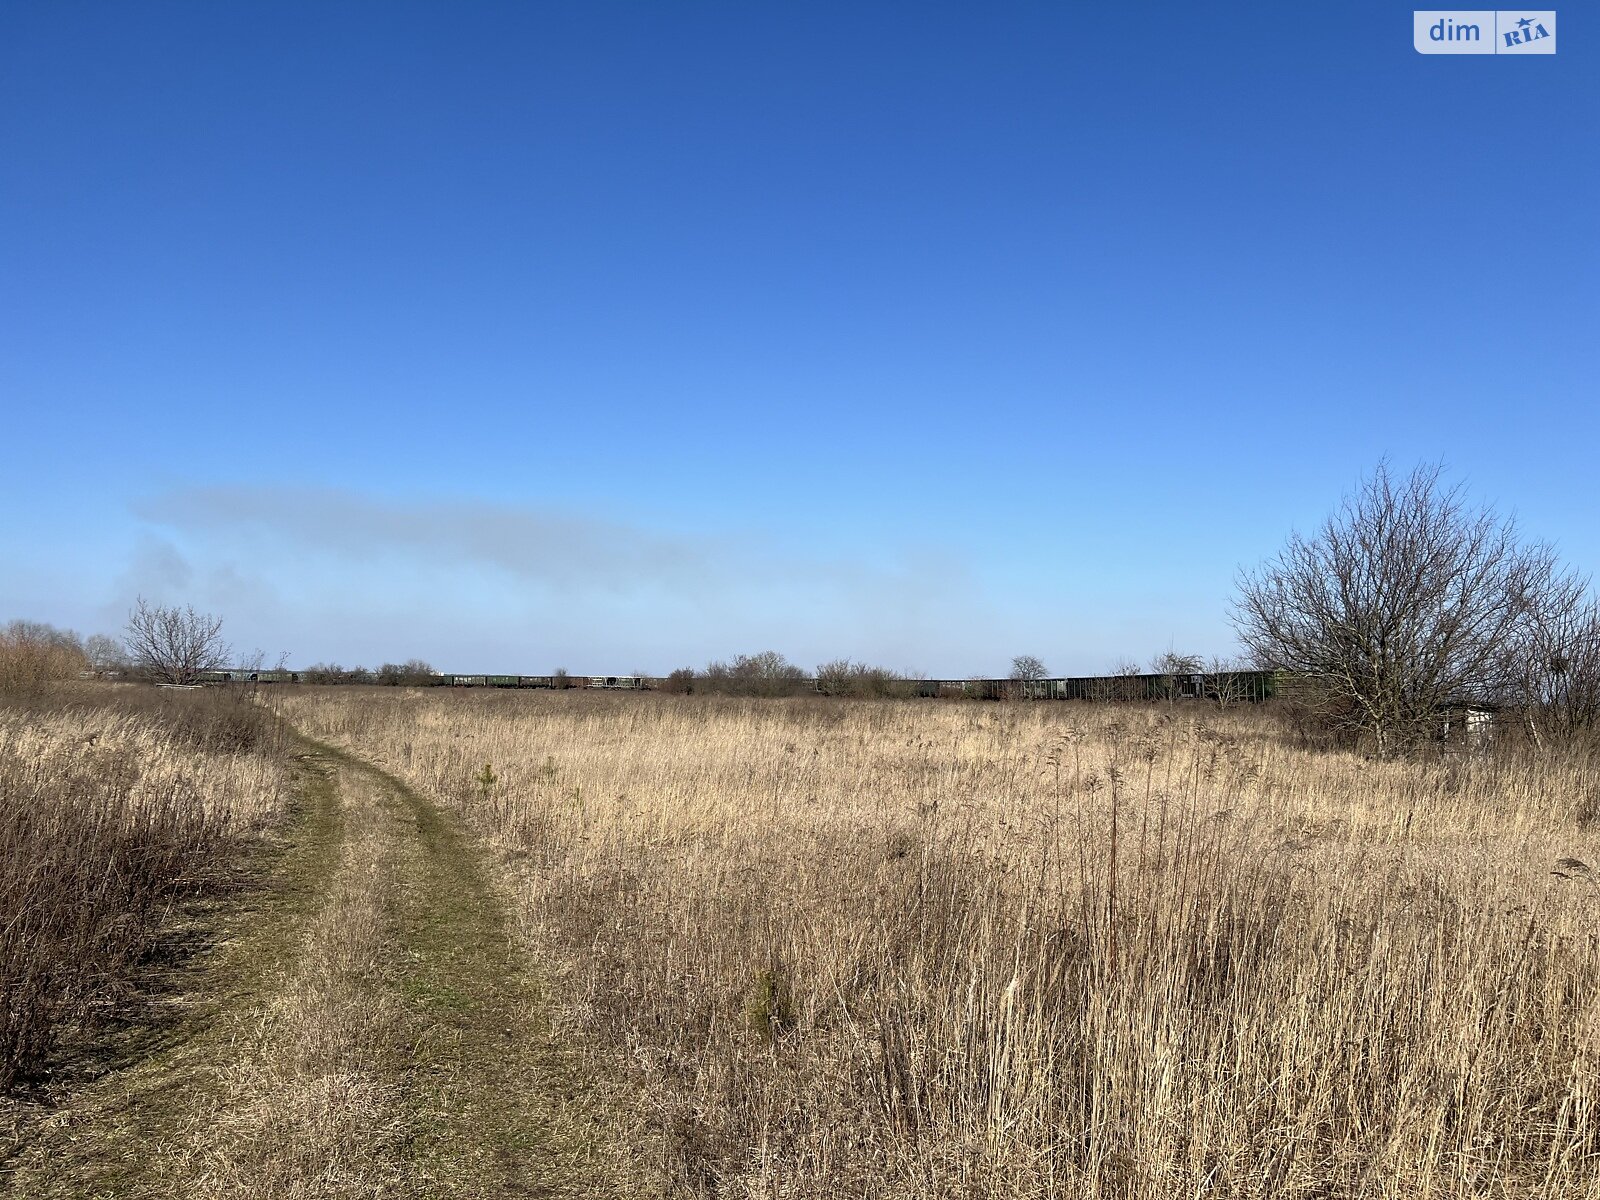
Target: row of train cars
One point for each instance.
(1230, 686)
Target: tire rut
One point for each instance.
(499, 1108)
(373, 1030)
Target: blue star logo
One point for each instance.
(1525, 22)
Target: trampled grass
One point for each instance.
(937, 949)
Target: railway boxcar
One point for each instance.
(1252, 687)
(244, 676)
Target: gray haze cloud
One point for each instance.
(478, 585)
(156, 568)
(552, 549)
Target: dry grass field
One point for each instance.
(114, 803)
(966, 949)
(235, 964)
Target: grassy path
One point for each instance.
(366, 1028)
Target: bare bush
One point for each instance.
(1406, 600)
(841, 677)
(765, 674)
(1121, 682)
(1231, 681)
(33, 653)
(679, 682)
(411, 673)
(175, 645)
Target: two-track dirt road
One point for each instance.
(367, 1026)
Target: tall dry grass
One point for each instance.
(967, 949)
(114, 802)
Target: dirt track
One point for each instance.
(366, 1025)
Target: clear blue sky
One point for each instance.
(621, 336)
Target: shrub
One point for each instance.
(32, 654)
(680, 682)
(766, 674)
(842, 677)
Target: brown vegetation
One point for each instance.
(914, 949)
(1408, 600)
(113, 802)
(175, 645)
(765, 674)
(862, 681)
(33, 653)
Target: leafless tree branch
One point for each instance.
(174, 645)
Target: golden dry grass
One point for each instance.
(367, 1024)
(936, 949)
(109, 812)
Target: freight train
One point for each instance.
(1229, 686)
(633, 683)
(1250, 687)
(624, 682)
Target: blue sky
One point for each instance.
(621, 336)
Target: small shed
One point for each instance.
(1467, 723)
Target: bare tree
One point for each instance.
(1026, 666)
(417, 672)
(841, 677)
(1171, 665)
(413, 672)
(175, 645)
(1121, 682)
(765, 674)
(1170, 662)
(1406, 600)
(1027, 675)
(1230, 681)
(1557, 691)
(104, 653)
(42, 633)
